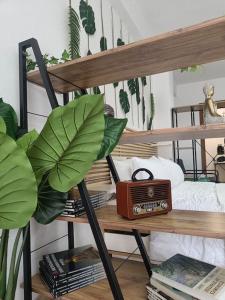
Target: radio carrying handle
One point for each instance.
(142, 170)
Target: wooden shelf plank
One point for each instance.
(198, 44)
(174, 134)
(132, 277)
(205, 224)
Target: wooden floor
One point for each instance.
(132, 278)
(196, 223)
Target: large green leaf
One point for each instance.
(124, 101)
(132, 86)
(26, 140)
(51, 203)
(113, 131)
(138, 98)
(103, 43)
(69, 142)
(2, 125)
(10, 118)
(87, 16)
(74, 32)
(18, 192)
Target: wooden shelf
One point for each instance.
(132, 277)
(198, 44)
(205, 224)
(174, 134)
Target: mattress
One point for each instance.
(200, 196)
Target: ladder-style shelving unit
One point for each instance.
(197, 44)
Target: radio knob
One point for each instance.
(164, 205)
(137, 209)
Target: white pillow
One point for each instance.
(175, 172)
(124, 169)
(153, 164)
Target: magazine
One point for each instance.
(196, 278)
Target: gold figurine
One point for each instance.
(211, 114)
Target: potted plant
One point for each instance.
(37, 170)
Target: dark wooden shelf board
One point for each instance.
(196, 223)
(198, 44)
(174, 134)
(132, 277)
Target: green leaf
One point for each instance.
(124, 101)
(69, 142)
(65, 56)
(143, 110)
(138, 98)
(120, 42)
(2, 125)
(152, 111)
(144, 81)
(26, 141)
(53, 60)
(96, 90)
(74, 32)
(9, 116)
(103, 43)
(87, 16)
(30, 64)
(45, 58)
(132, 86)
(51, 203)
(113, 131)
(18, 193)
(115, 84)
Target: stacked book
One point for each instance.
(185, 278)
(69, 270)
(74, 207)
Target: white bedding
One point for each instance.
(202, 196)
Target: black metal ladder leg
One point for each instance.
(27, 265)
(143, 251)
(103, 252)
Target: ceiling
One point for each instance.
(146, 18)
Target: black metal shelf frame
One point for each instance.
(97, 233)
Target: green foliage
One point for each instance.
(30, 63)
(103, 43)
(27, 140)
(2, 125)
(65, 56)
(53, 60)
(120, 42)
(96, 90)
(51, 203)
(192, 68)
(124, 101)
(143, 109)
(74, 32)
(69, 142)
(115, 84)
(132, 86)
(87, 17)
(9, 116)
(113, 131)
(18, 193)
(137, 87)
(144, 81)
(152, 111)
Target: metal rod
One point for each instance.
(27, 266)
(112, 168)
(70, 228)
(107, 263)
(143, 251)
(65, 98)
(174, 145)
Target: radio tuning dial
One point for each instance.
(137, 210)
(164, 205)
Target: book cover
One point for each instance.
(193, 277)
(63, 263)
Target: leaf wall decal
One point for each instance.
(124, 101)
(96, 90)
(144, 81)
(103, 43)
(143, 109)
(88, 18)
(74, 32)
(138, 98)
(132, 86)
(115, 84)
(120, 42)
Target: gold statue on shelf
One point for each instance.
(211, 114)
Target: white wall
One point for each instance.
(47, 22)
(191, 93)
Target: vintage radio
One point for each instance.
(143, 198)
